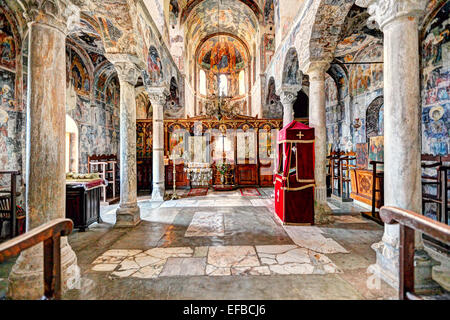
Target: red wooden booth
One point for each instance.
(294, 180)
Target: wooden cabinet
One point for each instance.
(180, 175)
(144, 174)
(247, 174)
(83, 205)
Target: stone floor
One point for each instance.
(226, 246)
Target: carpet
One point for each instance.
(250, 192)
(197, 192)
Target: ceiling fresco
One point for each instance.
(235, 18)
(222, 54)
(189, 5)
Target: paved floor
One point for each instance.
(226, 246)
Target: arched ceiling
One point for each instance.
(235, 18)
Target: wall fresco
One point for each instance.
(7, 44)
(436, 84)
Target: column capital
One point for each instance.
(316, 70)
(158, 95)
(126, 67)
(384, 11)
(63, 15)
(288, 94)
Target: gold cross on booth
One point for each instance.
(300, 135)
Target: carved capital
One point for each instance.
(158, 95)
(288, 98)
(61, 14)
(126, 67)
(384, 11)
(316, 70)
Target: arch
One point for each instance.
(319, 38)
(143, 104)
(374, 118)
(291, 71)
(80, 64)
(72, 135)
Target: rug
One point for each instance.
(250, 192)
(197, 192)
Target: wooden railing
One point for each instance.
(50, 233)
(409, 222)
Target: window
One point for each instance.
(223, 85)
(71, 145)
(241, 82)
(202, 82)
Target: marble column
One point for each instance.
(402, 146)
(128, 212)
(317, 120)
(288, 95)
(158, 97)
(45, 144)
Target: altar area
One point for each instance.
(227, 153)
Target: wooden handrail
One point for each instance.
(416, 221)
(50, 233)
(409, 222)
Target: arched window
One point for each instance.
(71, 145)
(223, 85)
(202, 82)
(241, 82)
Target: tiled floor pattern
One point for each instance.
(305, 256)
(214, 261)
(226, 246)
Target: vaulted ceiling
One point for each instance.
(209, 17)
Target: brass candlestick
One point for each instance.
(174, 195)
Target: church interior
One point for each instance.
(224, 149)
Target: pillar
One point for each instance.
(158, 96)
(288, 95)
(45, 143)
(402, 148)
(128, 212)
(317, 120)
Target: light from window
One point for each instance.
(241, 82)
(223, 85)
(202, 82)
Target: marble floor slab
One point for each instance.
(206, 224)
(313, 239)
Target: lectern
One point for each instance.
(294, 177)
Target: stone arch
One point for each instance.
(320, 34)
(86, 63)
(291, 72)
(143, 105)
(374, 118)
